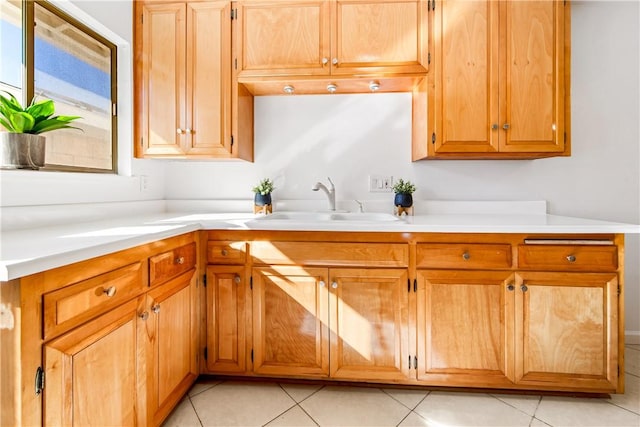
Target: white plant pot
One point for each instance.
(21, 151)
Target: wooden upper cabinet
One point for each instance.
(499, 85)
(313, 38)
(183, 79)
(283, 38)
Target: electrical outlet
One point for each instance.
(380, 184)
(144, 183)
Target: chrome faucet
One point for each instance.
(330, 192)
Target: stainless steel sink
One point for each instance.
(329, 216)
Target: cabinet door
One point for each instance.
(465, 327)
(161, 87)
(567, 330)
(379, 36)
(208, 87)
(533, 83)
(290, 321)
(283, 38)
(465, 103)
(369, 324)
(171, 330)
(226, 293)
(91, 373)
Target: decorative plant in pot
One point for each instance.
(404, 193)
(23, 146)
(263, 192)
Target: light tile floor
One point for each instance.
(234, 403)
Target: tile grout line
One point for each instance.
(195, 412)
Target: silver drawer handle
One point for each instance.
(466, 256)
(571, 258)
(110, 291)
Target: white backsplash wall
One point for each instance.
(302, 139)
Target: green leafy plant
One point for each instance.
(264, 187)
(403, 187)
(35, 119)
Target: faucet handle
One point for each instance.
(333, 187)
(360, 205)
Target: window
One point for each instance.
(69, 63)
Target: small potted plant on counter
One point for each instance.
(262, 198)
(22, 146)
(403, 200)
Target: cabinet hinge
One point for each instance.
(415, 362)
(415, 285)
(39, 382)
(206, 353)
(142, 19)
(232, 141)
(409, 362)
(235, 63)
(429, 58)
(141, 142)
(234, 14)
(204, 280)
(433, 5)
(114, 109)
(251, 355)
(619, 290)
(251, 284)
(408, 285)
(433, 138)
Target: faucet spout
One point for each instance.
(330, 192)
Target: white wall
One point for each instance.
(302, 139)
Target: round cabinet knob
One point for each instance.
(511, 287)
(571, 258)
(506, 126)
(331, 88)
(334, 285)
(335, 61)
(494, 126)
(237, 279)
(179, 131)
(288, 89)
(223, 252)
(188, 131)
(524, 288)
(180, 260)
(322, 284)
(325, 61)
(374, 86)
(155, 308)
(466, 256)
(144, 315)
(110, 291)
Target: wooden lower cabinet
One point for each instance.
(566, 326)
(290, 321)
(369, 324)
(343, 323)
(465, 327)
(171, 332)
(226, 311)
(91, 372)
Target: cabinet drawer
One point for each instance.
(166, 265)
(74, 304)
(333, 254)
(226, 252)
(568, 257)
(463, 255)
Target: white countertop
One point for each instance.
(32, 250)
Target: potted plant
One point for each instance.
(404, 191)
(22, 146)
(263, 192)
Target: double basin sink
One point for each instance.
(333, 217)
